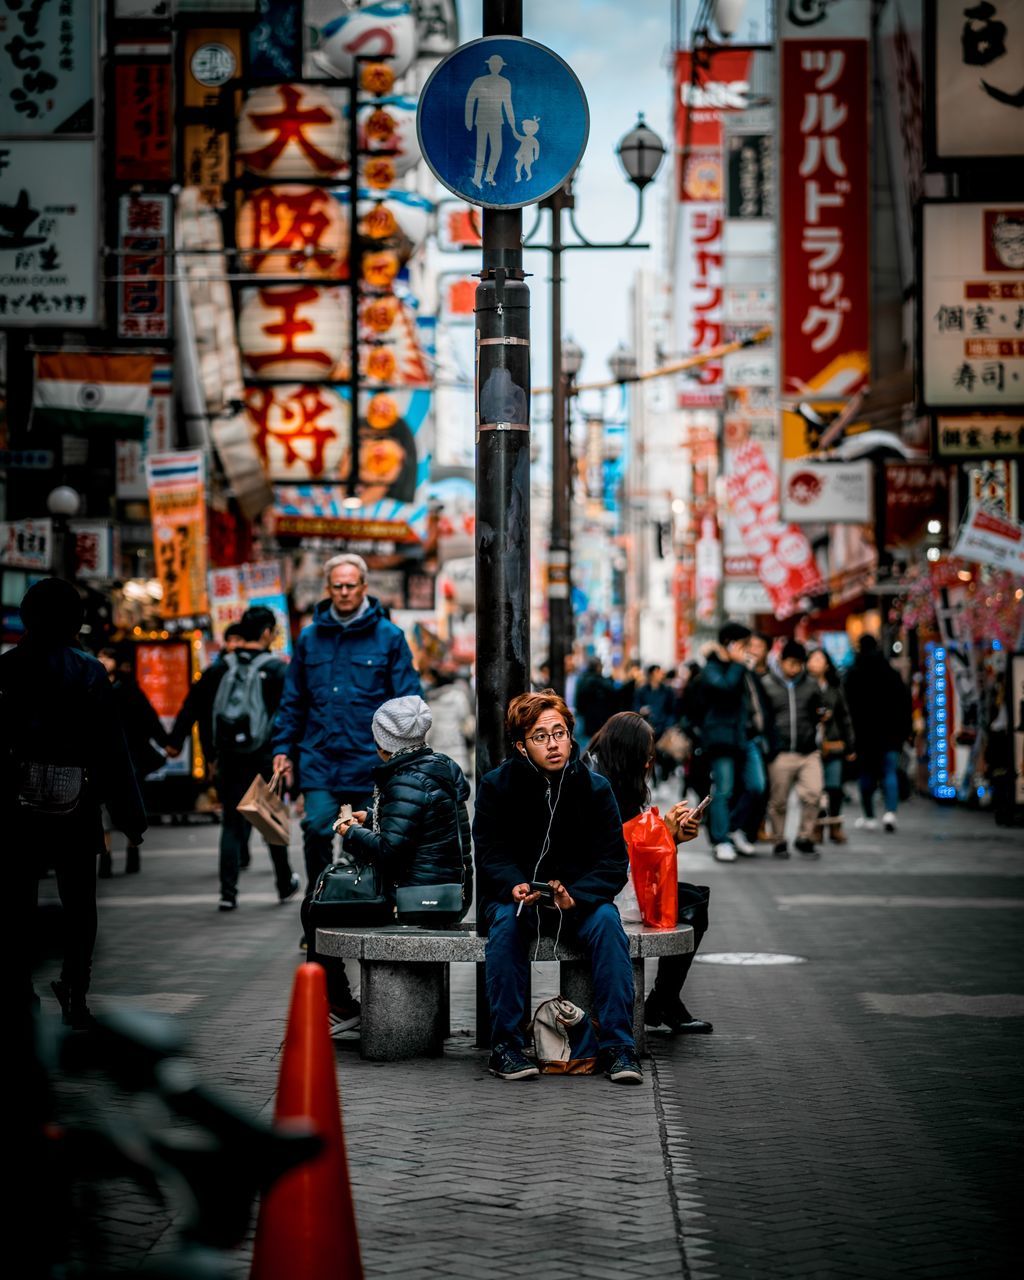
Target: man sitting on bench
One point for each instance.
(542, 817)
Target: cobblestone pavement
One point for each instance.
(857, 1113)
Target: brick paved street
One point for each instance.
(856, 1114)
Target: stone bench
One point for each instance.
(404, 980)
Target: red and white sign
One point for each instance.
(785, 561)
(301, 432)
(826, 492)
(699, 300)
(143, 298)
(989, 537)
(824, 211)
(704, 93)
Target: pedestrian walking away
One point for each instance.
(623, 751)
(880, 709)
(543, 817)
(235, 700)
(348, 661)
(836, 741)
(722, 715)
(799, 711)
(416, 833)
(64, 756)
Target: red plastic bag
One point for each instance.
(652, 864)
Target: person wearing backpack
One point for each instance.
(235, 701)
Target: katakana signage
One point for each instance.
(824, 197)
(972, 305)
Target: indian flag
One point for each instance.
(84, 393)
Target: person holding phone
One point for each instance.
(543, 819)
(623, 751)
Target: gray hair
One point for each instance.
(348, 557)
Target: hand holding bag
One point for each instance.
(263, 808)
(653, 868)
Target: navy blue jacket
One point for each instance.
(337, 679)
(513, 811)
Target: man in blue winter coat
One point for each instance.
(348, 661)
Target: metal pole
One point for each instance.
(559, 602)
(502, 459)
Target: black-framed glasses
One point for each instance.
(542, 736)
(345, 586)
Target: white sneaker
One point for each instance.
(742, 844)
(724, 852)
(867, 824)
(889, 821)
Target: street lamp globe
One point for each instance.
(622, 363)
(572, 358)
(641, 152)
(727, 15)
(63, 501)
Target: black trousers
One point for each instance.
(234, 778)
(693, 910)
(339, 993)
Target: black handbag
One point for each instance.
(53, 789)
(350, 893)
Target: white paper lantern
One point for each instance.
(390, 125)
(297, 331)
(300, 431)
(306, 227)
(292, 131)
(375, 30)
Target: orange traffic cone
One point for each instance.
(307, 1223)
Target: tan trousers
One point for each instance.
(789, 768)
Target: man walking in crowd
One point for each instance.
(798, 710)
(880, 708)
(655, 700)
(236, 699)
(63, 755)
(542, 816)
(595, 700)
(348, 661)
(724, 718)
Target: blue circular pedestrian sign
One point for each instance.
(503, 122)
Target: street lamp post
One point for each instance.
(63, 504)
(640, 152)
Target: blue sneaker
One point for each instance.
(624, 1067)
(509, 1063)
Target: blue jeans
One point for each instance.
(317, 834)
(728, 812)
(508, 947)
(890, 785)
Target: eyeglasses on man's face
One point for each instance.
(541, 736)
(345, 586)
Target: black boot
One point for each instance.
(670, 1012)
(75, 1012)
(106, 868)
(131, 860)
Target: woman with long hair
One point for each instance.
(837, 744)
(623, 751)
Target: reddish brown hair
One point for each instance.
(525, 710)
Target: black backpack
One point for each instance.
(241, 722)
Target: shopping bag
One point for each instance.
(653, 869)
(625, 900)
(263, 808)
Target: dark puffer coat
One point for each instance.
(423, 834)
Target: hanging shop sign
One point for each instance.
(97, 549)
(826, 492)
(292, 131)
(785, 561)
(177, 501)
(293, 230)
(915, 492)
(976, 66)
(48, 234)
(460, 300)
(698, 296)
(751, 367)
(750, 176)
(297, 332)
(972, 305)
(988, 536)
(301, 432)
(212, 58)
(705, 92)
(385, 30)
(940, 714)
(145, 240)
(47, 68)
(979, 436)
(27, 544)
(992, 482)
(306, 511)
(244, 586)
(460, 228)
(130, 457)
(142, 122)
(824, 206)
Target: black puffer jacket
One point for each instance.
(422, 834)
(797, 707)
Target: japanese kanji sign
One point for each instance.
(47, 67)
(177, 503)
(143, 296)
(26, 544)
(301, 432)
(980, 436)
(972, 305)
(977, 95)
(824, 213)
(915, 492)
(142, 122)
(48, 233)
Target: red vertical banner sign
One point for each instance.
(824, 207)
(142, 125)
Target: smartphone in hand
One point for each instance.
(700, 808)
(543, 888)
